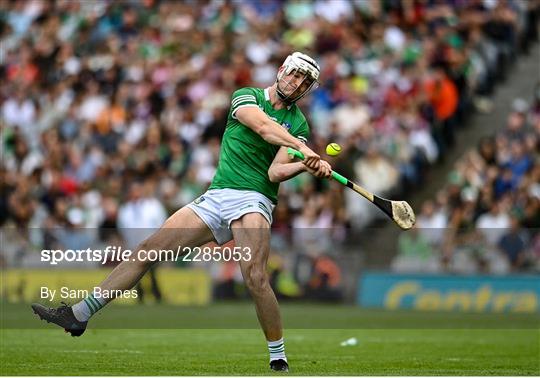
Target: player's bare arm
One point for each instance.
(273, 133)
(283, 169)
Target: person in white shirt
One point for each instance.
(139, 218)
(431, 223)
(494, 224)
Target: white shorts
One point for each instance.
(218, 208)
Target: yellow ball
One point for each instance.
(333, 149)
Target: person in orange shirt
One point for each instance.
(443, 96)
(112, 117)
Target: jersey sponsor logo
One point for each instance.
(286, 125)
(199, 200)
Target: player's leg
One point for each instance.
(252, 233)
(184, 228)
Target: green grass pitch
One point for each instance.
(389, 343)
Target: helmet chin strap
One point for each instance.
(282, 95)
(287, 98)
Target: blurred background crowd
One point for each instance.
(111, 110)
(487, 218)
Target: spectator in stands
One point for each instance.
(375, 172)
(443, 95)
(486, 149)
(431, 223)
(325, 281)
(494, 224)
(140, 215)
(139, 218)
(514, 243)
(519, 162)
(415, 253)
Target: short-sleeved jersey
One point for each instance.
(245, 156)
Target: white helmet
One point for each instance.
(304, 64)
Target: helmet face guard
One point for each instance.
(297, 64)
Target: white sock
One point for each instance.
(88, 307)
(277, 350)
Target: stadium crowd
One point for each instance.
(113, 108)
(487, 218)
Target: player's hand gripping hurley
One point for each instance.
(399, 211)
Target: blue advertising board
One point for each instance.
(519, 294)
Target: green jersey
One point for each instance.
(245, 157)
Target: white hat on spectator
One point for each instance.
(520, 105)
(75, 216)
(469, 194)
